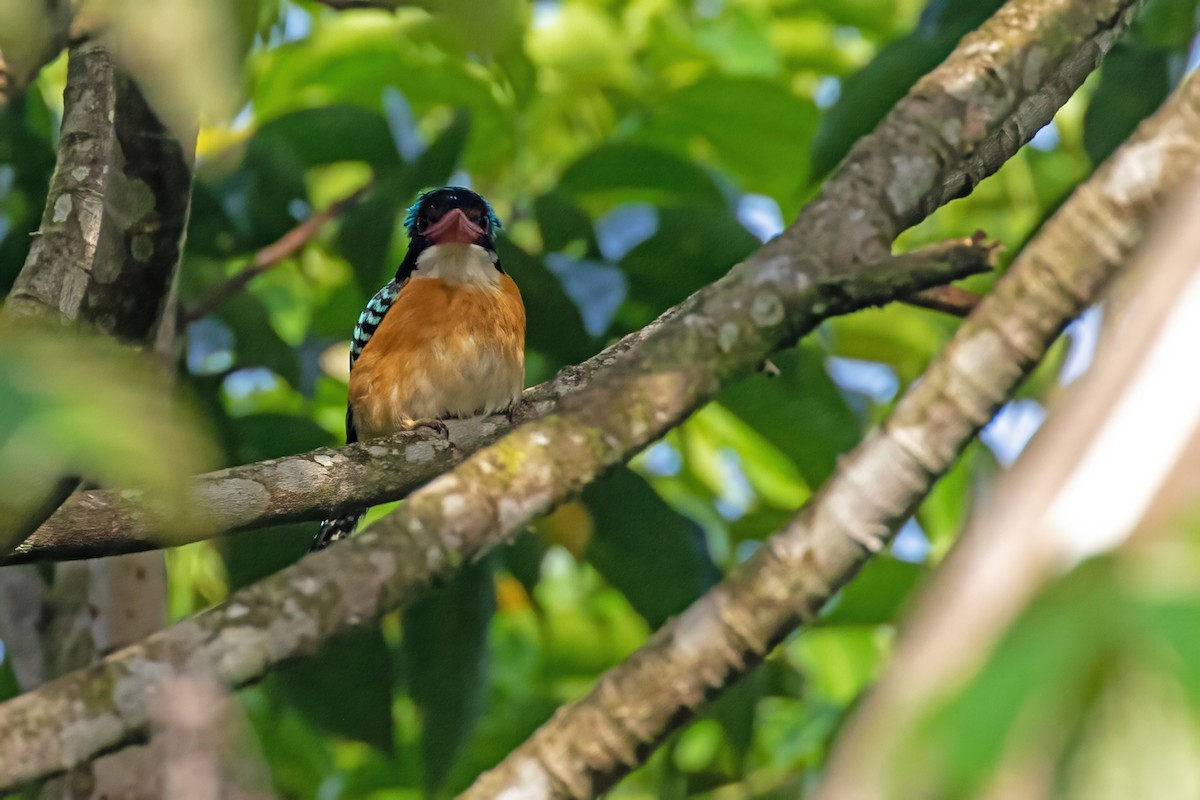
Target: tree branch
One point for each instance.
(112, 228)
(325, 481)
(58, 269)
(960, 123)
(292, 612)
(587, 746)
(1054, 508)
(885, 192)
(952, 300)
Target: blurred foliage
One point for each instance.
(635, 150)
(74, 405)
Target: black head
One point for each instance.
(451, 214)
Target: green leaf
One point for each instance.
(445, 645)
(867, 96)
(8, 678)
(76, 404)
(346, 688)
(1041, 673)
(631, 173)
(553, 324)
(768, 147)
(562, 223)
(31, 156)
(1169, 24)
(354, 58)
(1134, 80)
(876, 595)
(702, 243)
(656, 557)
(433, 167)
(800, 411)
(316, 136)
(258, 344)
(263, 436)
(368, 230)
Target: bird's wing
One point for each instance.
(364, 329)
(371, 316)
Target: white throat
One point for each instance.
(454, 262)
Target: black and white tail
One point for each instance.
(336, 528)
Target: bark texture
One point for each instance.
(587, 746)
(959, 124)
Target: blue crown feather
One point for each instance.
(410, 214)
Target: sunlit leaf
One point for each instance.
(767, 149)
(72, 404)
(800, 411)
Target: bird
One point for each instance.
(443, 339)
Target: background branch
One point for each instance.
(587, 746)
(1056, 507)
(271, 255)
(953, 300)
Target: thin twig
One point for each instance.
(948, 299)
(271, 255)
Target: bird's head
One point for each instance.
(451, 214)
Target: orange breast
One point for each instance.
(442, 350)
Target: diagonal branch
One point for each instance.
(587, 746)
(959, 124)
(271, 255)
(876, 181)
(292, 612)
(327, 480)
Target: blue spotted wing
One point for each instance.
(368, 322)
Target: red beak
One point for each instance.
(453, 227)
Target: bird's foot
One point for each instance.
(435, 425)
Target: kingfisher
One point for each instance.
(443, 339)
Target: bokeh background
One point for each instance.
(635, 150)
